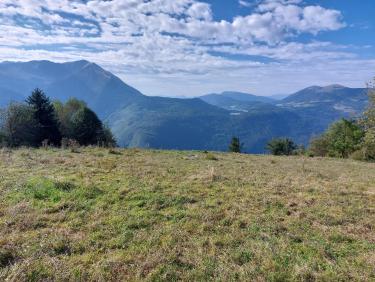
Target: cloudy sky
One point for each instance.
(194, 47)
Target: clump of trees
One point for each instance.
(78, 122)
(282, 147)
(349, 138)
(38, 122)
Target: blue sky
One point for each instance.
(193, 47)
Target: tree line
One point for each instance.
(40, 122)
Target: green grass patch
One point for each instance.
(148, 215)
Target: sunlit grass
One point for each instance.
(165, 215)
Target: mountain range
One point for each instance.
(204, 123)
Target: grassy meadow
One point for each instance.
(116, 215)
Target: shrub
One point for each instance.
(341, 140)
(368, 145)
(281, 146)
(319, 146)
(358, 155)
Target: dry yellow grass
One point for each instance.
(104, 215)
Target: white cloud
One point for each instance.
(169, 38)
(245, 3)
(200, 11)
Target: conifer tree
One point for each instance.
(44, 114)
(235, 145)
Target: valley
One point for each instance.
(203, 123)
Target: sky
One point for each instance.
(194, 47)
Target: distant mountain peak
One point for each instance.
(234, 92)
(94, 67)
(324, 88)
(314, 87)
(334, 86)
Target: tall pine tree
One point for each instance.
(44, 114)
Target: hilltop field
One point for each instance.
(115, 215)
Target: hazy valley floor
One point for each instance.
(164, 215)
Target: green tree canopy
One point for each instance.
(18, 126)
(79, 123)
(65, 112)
(86, 127)
(281, 146)
(44, 114)
(340, 140)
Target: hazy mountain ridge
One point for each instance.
(321, 106)
(317, 106)
(235, 101)
(169, 123)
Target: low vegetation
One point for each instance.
(115, 215)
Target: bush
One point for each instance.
(341, 140)
(281, 147)
(319, 146)
(368, 146)
(358, 155)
